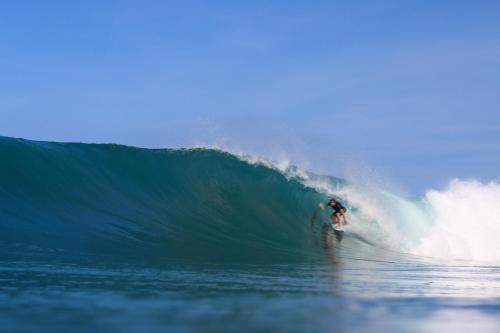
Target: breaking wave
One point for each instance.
(125, 203)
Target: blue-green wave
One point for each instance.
(123, 203)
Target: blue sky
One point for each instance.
(405, 90)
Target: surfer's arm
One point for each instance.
(322, 205)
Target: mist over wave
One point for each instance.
(119, 202)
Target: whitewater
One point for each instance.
(99, 237)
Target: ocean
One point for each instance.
(104, 237)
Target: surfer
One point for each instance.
(338, 211)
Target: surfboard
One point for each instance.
(339, 233)
(337, 228)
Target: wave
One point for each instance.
(125, 203)
(190, 204)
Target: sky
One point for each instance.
(407, 92)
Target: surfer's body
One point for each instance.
(338, 212)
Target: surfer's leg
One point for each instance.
(343, 216)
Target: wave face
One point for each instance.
(119, 203)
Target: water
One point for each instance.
(104, 237)
(349, 295)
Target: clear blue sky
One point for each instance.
(410, 89)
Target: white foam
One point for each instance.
(466, 222)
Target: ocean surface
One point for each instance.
(102, 237)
